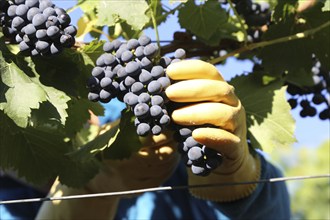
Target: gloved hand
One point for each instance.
(149, 167)
(216, 104)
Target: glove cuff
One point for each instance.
(248, 171)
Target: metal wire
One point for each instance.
(161, 188)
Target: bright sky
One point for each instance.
(310, 132)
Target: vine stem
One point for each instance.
(253, 46)
(239, 20)
(154, 23)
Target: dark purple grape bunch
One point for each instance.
(201, 159)
(309, 98)
(132, 72)
(256, 15)
(38, 26)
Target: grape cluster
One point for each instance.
(38, 26)
(310, 97)
(132, 72)
(198, 157)
(256, 14)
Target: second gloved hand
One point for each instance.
(212, 101)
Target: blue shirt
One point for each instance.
(268, 201)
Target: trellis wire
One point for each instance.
(162, 188)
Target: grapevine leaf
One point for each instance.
(97, 145)
(127, 141)
(202, 20)
(36, 154)
(79, 115)
(133, 12)
(326, 6)
(93, 50)
(270, 123)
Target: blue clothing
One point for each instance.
(268, 201)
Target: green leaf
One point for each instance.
(111, 12)
(78, 112)
(92, 51)
(202, 20)
(270, 123)
(127, 141)
(22, 93)
(326, 6)
(35, 154)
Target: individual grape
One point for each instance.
(144, 98)
(67, 40)
(165, 120)
(137, 88)
(213, 162)
(154, 87)
(156, 130)
(180, 53)
(93, 83)
(109, 60)
(129, 81)
(17, 23)
(150, 50)
(318, 98)
(94, 97)
(24, 47)
(59, 11)
(106, 82)
(108, 47)
(127, 56)
(164, 81)
(98, 72)
(143, 129)
(139, 52)
(53, 32)
(11, 11)
(191, 142)
(32, 12)
(30, 30)
(157, 71)
(200, 171)
(195, 154)
(156, 111)
(105, 96)
(132, 68)
(165, 61)
(293, 103)
(22, 10)
(144, 40)
(42, 46)
(41, 34)
(18, 38)
(45, 4)
(64, 20)
(325, 114)
(18, 2)
(34, 52)
(55, 48)
(131, 99)
(32, 3)
(52, 21)
(39, 20)
(141, 110)
(157, 100)
(146, 64)
(71, 30)
(50, 11)
(145, 77)
(132, 44)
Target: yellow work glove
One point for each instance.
(217, 105)
(149, 167)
